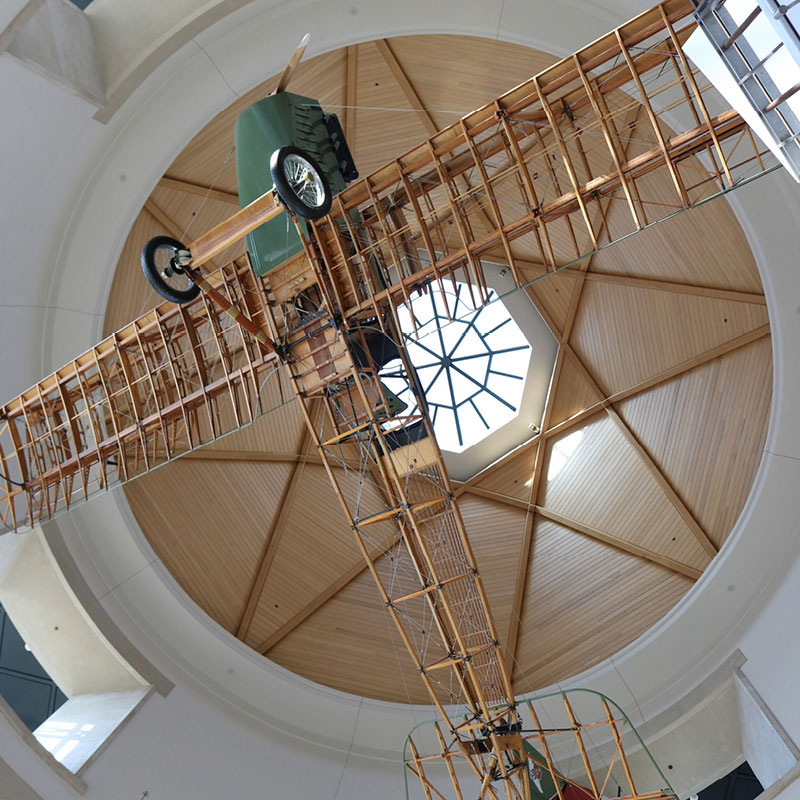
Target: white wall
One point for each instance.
(48, 141)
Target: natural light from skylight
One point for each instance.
(472, 369)
(562, 451)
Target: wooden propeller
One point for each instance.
(289, 69)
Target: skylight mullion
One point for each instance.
(509, 349)
(505, 374)
(454, 406)
(478, 412)
(484, 387)
(496, 327)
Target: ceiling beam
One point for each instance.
(169, 225)
(199, 189)
(587, 530)
(257, 457)
(654, 284)
(672, 286)
(527, 543)
(384, 48)
(621, 544)
(540, 458)
(275, 535)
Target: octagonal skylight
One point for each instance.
(472, 365)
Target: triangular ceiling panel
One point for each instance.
(577, 604)
(706, 429)
(210, 518)
(278, 431)
(644, 332)
(383, 118)
(572, 394)
(554, 293)
(316, 546)
(595, 477)
(352, 645)
(429, 64)
(705, 247)
(513, 476)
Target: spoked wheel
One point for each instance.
(300, 182)
(162, 268)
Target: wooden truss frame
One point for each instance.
(542, 163)
(580, 756)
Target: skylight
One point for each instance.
(750, 50)
(472, 369)
(767, 45)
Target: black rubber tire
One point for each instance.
(285, 191)
(151, 271)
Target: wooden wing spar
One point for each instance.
(525, 181)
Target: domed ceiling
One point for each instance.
(653, 427)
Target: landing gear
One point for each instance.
(300, 182)
(163, 263)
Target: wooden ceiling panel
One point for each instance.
(130, 294)
(626, 334)
(316, 547)
(496, 534)
(208, 523)
(707, 429)
(380, 127)
(554, 293)
(512, 478)
(617, 494)
(351, 644)
(579, 604)
(455, 74)
(279, 430)
(572, 394)
(705, 246)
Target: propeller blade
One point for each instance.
(286, 75)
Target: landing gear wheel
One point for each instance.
(300, 182)
(162, 268)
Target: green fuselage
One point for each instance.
(278, 120)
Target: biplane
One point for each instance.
(321, 300)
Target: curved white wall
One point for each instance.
(236, 725)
